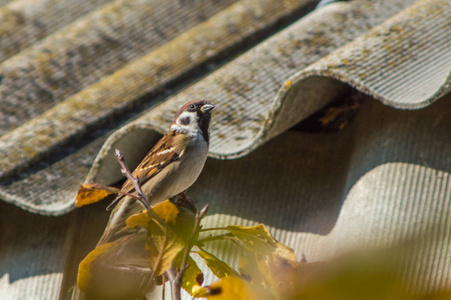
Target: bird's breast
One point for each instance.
(180, 175)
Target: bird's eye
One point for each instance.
(191, 106)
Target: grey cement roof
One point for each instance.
(112, 74)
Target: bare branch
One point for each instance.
(163, 295)
(176, 287)
(203, 212)
(134, 180)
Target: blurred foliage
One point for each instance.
(169, 234)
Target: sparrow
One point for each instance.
(170, 167)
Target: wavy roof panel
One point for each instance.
(113, 74)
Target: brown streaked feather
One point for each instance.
(171, 146)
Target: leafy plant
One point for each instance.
(170, 234)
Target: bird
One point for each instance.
(169, 168)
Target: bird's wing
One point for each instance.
(168, 150)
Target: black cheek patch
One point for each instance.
(184, 121)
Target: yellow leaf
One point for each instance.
(256, 237)
(162, 243)
(356, 275)
(84, 269)
(200, 292)
(111, 269)
(93, 192)
(284, 252)
(167, 211)
(179, 219)
(217, 266)
(229, 288)
(359, 279)
(193, 278)
(142, 219)
(259, 240)
(253, 268)
(162, 247)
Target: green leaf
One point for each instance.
(217, 266)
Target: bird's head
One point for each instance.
(194, 116)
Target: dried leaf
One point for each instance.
(84, 269)
(229, 288)
(90, 193)
(217, 266)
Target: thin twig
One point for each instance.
(213, 238)
(170, 273)
(134, 180)
(213, 228)
(176, 277)
(164, 287)
(123, 268)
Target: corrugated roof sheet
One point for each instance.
(62, 114)
(72, 80)
(257, 75)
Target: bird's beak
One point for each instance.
(207, 108)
